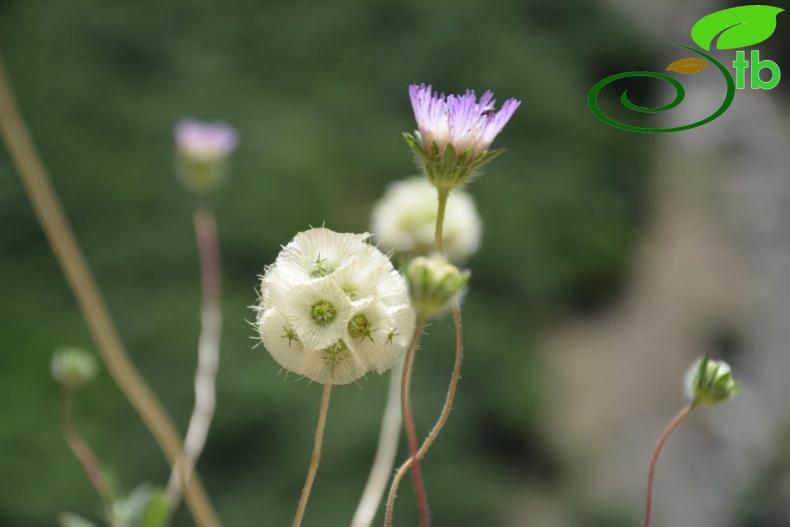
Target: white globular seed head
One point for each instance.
(710, 382)
(404, 220)
(332, 308)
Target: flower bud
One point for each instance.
(710, 382)
(203, 149)
(433, 284)
(73, 367)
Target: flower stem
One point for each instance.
(654, 461)
(386, 451)
(85, 453)
(439, 240)
(408, 425)
(69, 255)
(448, 405)
(316, 458)
(208, 353)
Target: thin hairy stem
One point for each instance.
(454, 378)
(654, 461)
(386, 451)
(439, 239)
(316, 458)
(408, 425)
(84, 453)
(69, 255)
(208, 353)
(445, 413)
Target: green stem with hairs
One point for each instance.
(316, 457)
(439, 241)
(443, 416)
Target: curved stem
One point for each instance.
(411, 431)
(654, 461)
(85, 453)
(208, 353)
(69, 255)
(439, 241)
(445, 414)
(316, 458)
(386, 452)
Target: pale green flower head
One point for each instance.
(73, 367)
(709, 382)
(434, 283)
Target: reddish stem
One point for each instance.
(83, 451)
(411, 432)
(208, 249)
(448, 405)
(654, 461)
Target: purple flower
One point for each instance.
(204, 141)
(462, 121)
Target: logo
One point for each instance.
(737, 27)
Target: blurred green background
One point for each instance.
(318, 92)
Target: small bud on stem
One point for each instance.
(708, 383)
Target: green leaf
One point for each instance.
(416, 147)
(156, 512)
(740, 27)
(450, 156)
(145, 506)
(703, 367)
(132, 507)
(488, 156)
(723, 380)
(69, 519)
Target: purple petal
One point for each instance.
(460, 120)
(498, 121)
(205, 140)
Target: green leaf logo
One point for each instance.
(739, 27)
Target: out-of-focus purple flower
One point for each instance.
(459, 120)
(205, 141)
(203, 149)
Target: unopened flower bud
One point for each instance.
(433, 284)
(203, 149)
(73, 367)
(710, 382)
